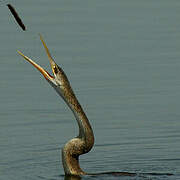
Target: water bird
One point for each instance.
(84, 142)
(16, 16)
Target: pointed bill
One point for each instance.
(38, 67)
(52, 63)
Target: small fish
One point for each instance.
(16, 16)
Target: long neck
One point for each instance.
(82, 143)
(85, 130)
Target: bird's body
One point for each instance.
(85, 140)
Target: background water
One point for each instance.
(123, 61)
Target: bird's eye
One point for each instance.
(55, 69)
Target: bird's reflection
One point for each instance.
(72, 177)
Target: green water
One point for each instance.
(123, 61)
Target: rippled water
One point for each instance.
(123, 61)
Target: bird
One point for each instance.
(84, 142)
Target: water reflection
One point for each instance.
(122, 175)
(67, 177)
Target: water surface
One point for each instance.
(123, 61)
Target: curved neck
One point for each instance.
(85, 129)
(82, 143)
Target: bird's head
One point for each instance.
(58, 80)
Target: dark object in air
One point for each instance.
(16, 16)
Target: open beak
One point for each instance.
(38, 67)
